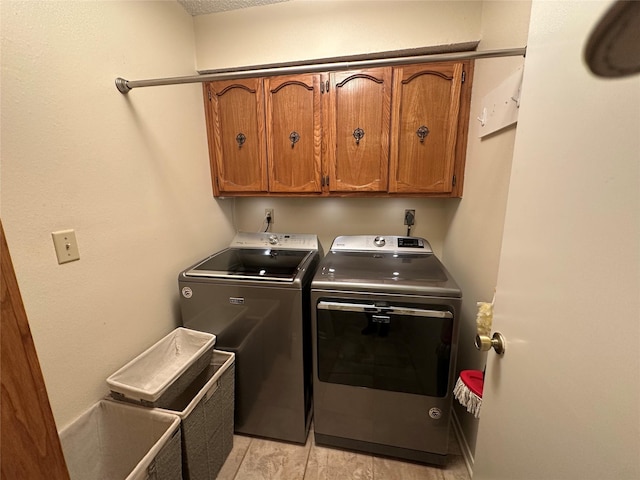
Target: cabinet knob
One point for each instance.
(422, 133)
(241, 138)
(294, 137)
(358, 133)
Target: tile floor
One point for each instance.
(260, 459)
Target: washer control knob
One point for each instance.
(273, 239)
(379, 241)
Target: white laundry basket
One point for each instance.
(160, 374)
(116, 441)
(206, 410)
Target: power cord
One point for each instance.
(409, 220)
(268, 220)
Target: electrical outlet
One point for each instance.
(409, 217)
(268, 214)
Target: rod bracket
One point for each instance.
(123, 85)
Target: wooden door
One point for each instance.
(29, 443)
(293, 121)
(358, 134)
(235, 119)
(425, 123)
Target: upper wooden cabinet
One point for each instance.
(426, 113)
(359, 116)
(388, 131)
(235, 118)
(293, 118)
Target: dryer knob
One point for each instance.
(379, 241)
(273, 239)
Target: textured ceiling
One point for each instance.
(203, 7)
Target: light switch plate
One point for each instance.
(66, 246)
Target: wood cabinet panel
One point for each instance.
(425, 124)
(388, 131)
(238, 157)
(358, 130)
(293, 120)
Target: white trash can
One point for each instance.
(156, 377)
(117, 441)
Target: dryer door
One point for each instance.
(400, 348)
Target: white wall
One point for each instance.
(302, 30)
(129, 173)
(330, 217)
(472, 243)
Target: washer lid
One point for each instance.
(252, 264)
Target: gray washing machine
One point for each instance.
(255, 297)
(385, 316)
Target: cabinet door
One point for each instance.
(235, 119)
(293, 133)
(425, 124)
(359, 122)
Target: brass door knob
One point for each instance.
(497, 342)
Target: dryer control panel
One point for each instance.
(384, 243)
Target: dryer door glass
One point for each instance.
(400, 348)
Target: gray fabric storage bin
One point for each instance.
(206, 410)
(156, 377)
(116, 441)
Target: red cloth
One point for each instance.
(474, 381)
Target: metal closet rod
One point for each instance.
(125, 86)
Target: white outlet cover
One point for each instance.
(66, 246)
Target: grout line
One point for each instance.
(373, 467)
(235, 475)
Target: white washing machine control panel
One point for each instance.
(289, 241)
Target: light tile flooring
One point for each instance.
(260, 459)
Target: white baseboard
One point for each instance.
(462, 441)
